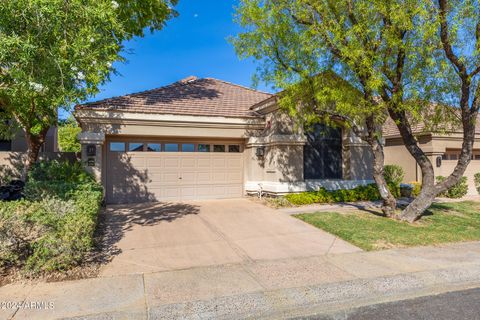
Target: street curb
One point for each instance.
(325, 298)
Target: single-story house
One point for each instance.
(442, 148)
(19, 143)
(13, 152)
(207, 139)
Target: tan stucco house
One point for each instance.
(443, 150)
(207, 139)
(13, 151)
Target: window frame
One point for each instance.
(155, 143)
(171, 143)
(117, 142)
(194, 145)
(219, 145)
(208, 145)
(234, 145)
(139, 143)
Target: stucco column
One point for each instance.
(92, 143)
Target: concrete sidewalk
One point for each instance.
(257, 289)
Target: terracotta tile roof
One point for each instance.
(390, 128)
(190, 96)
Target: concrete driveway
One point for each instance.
(145, 238)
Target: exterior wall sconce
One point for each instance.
(260, 152)
(439, 161)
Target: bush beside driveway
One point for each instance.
(52, 228)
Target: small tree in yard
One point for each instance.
(68, 131)
(56, 53)
(400, 55)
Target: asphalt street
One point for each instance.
(458, 305)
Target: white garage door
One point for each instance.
(140, 172)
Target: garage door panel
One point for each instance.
(204, 177)
(188, 193)
(204, 162)
(171, 192)
(234, 177)
(219, 177)
(137, 161)
(233, 190)
(219, 190)
(155, 176)
(235, 163)
(188, 178)
(172, 162)
(219, 162)
(170, 177)
(188, 163)
(155, 162)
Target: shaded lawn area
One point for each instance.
(443, 223)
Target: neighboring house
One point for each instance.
(13, 152)
(206, 139)
(19, 143)
(443, 150)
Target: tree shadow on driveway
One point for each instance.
(116, 220)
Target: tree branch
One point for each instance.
(445, 38)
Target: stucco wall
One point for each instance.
(11, 163)
(396, 153)
(19, 143)
(283, 158)
(361, 163)
(447, 168)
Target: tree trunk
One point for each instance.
(429, 191)
(389, 204)
(34, 143)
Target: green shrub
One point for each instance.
(393, 174)
(459, 190)
(303, 198)
(394, 189)
(68, 131)
(52, 229)
(476, 179)
(417, 188)
(61, 171)
(360, 193)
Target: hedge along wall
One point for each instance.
(11, 163)
(52, 229)
(447, 168)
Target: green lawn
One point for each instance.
(447, 222)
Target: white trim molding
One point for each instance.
(277, 187)
(172, 120)
(91, 137)
(276, 140)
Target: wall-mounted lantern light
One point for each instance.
(439, 161)
(260, 152)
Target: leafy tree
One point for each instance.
(68, 131)
(388, 50)
(56, 53)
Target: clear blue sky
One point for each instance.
(194, 43)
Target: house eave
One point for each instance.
(171, 120)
